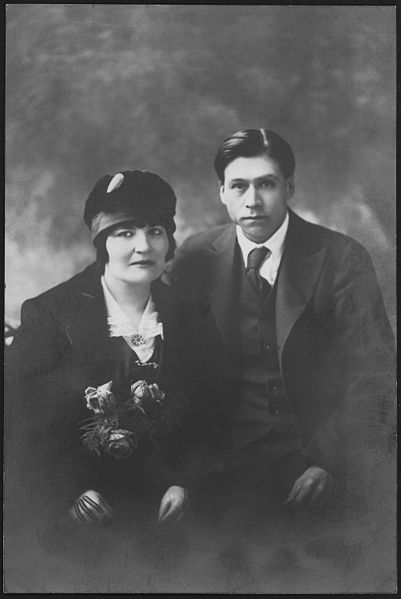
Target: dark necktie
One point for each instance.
(255, 259)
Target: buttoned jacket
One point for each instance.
(334, 341)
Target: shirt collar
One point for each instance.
(275, 243)
(119, 323)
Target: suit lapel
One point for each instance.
(85, 321)
(299, 271)
(224, 289)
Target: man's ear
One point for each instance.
(290, 187)
(221, 190)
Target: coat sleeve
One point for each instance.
(38, 344)
(44, 461)
(361, 357)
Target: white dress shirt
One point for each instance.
(275, 244)
(119, 325)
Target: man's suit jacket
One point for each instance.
(61, 348)
(335, 344)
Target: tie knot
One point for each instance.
(257, 256)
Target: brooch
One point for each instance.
(137, 339)
(154, 365)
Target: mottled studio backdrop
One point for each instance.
(95, 89)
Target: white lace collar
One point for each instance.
(140, 338)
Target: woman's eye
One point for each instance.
(156, 231)
(124, 233)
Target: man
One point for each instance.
(295, 325)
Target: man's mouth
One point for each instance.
(254, 218)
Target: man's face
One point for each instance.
(256, 193)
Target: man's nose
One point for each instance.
(252, 197)
(141, 241)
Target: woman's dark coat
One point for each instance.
(63, 347)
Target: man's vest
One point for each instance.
(261, 411)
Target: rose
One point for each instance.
(140, 390)
(139, 393)
(92, 400)
(121, 443)
(146, 398)
(100, 399)
(155, 392)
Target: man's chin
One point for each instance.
(256, 232)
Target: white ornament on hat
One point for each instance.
(265, 140)
(115, 182)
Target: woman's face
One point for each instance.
(137, 255)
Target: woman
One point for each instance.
(115, 323)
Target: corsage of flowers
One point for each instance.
(119, 425)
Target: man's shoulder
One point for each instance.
(336, 243)
(204, 239)
(197, 255)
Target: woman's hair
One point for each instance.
(102, 256)
(255, 142)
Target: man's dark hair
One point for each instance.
(254, 142)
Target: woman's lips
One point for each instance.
(144, 263)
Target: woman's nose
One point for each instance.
(141, 241)
(252, 198)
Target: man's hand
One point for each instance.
(173, 504)
(314, 483)
(91, 508)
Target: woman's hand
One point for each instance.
(173, 504)
(91, 508)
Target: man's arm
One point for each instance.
(360, 355)
(362, 350)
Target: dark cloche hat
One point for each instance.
(130, 195)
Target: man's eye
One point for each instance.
(267, 184)
(237, 185)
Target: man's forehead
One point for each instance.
(252, 167)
